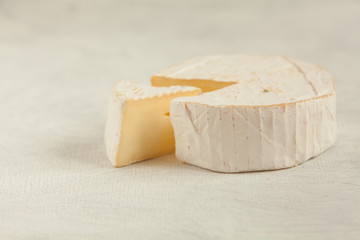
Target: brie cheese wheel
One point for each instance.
(138, 125)
(259, 112)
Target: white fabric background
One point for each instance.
(58, 61)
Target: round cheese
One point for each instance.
(259, 112)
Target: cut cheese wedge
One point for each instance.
(138, 125)
(266, 113)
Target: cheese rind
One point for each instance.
(248, 138)
(138, 126)
(278, 113)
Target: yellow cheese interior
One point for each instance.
(146, 129)
(204, 85)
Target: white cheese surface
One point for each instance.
(129, 90)
(260, 80)
(278, 113)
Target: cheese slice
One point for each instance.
(138, 125)
(265, 113)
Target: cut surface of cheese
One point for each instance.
(138, 125)
(266, 113)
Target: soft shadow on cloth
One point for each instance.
(88, 151)
(166, 162)
(85, 147)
